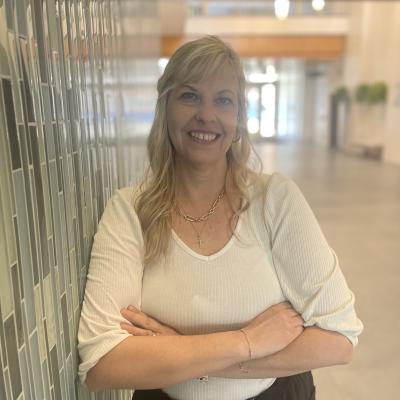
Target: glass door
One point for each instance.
(262, 106)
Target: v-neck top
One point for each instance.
(278, 253)
(218, 253)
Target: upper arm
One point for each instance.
(307, 268)
(114, 281)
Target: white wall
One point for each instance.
(373, 54)
(266, 25)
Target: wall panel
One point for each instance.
(59, 130)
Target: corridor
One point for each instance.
(357, 202)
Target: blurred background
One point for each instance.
(77, 96)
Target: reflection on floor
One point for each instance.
(357, 202)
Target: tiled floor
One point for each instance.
(357, 202)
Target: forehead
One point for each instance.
(222, 78)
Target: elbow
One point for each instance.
(346, 355)
(92, 382)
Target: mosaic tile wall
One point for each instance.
(60, 122)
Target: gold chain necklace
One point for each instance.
(207, 215)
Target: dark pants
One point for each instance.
(295, 387)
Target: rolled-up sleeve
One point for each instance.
(114, 280)
(307, 268)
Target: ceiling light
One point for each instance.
(318, 5)
(282, 8)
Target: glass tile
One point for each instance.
(10, 6)
(49, 139)
(63, 384)
(2, 383)
(46, 341)
(58, 157)
(40, 203)
(60, 247)
(64, 241)
(55, 372)
(21, 130)
(57, 314)
(71, 378)
(5, 281)
(26, 260)
(56, 211)
(24, 88)
(52, 24)
(21, 20)
(27, 345)
(24, 374)
(11, 123)
(2, 339)
(36, 366)
(33, 229)
(13, 363)
(52, 253)
(74, 279)
(46, 200)
(8, 383)
(46, 379)
(17, 305)
(39, 324)
(65, 324)
(21, 287)
(49, 312)
(29, 196)
(38, 12)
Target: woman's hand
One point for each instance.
(143, 325)
(273, 329)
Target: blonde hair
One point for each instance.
(195, 61)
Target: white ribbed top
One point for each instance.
(263, 264)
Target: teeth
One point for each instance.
(208, 137)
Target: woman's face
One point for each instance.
(202, 118)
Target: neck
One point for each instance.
(199, 187)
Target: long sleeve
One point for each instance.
(307, 268)
(114, 280)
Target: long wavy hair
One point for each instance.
(194, 62)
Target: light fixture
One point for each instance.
(282, 8)
(318, 5)
(269, 77)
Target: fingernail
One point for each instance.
(131, 308)
(122, 310)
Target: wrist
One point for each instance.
(243, 346)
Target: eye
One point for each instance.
(189, 96)
(224, 101)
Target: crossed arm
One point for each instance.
(158, 356)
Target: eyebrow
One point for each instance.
(219, 92)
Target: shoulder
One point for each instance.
(272, 186)
(120, 206)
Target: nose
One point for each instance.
(205, 113)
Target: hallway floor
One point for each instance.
(357, 202)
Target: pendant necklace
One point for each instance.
(198, 234)
(204, 218)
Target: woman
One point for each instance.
(229, 280)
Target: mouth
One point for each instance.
(204, 137)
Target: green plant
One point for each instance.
(361, 93)
(341, 94)
(377, 93)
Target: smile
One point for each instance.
(203, 136)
